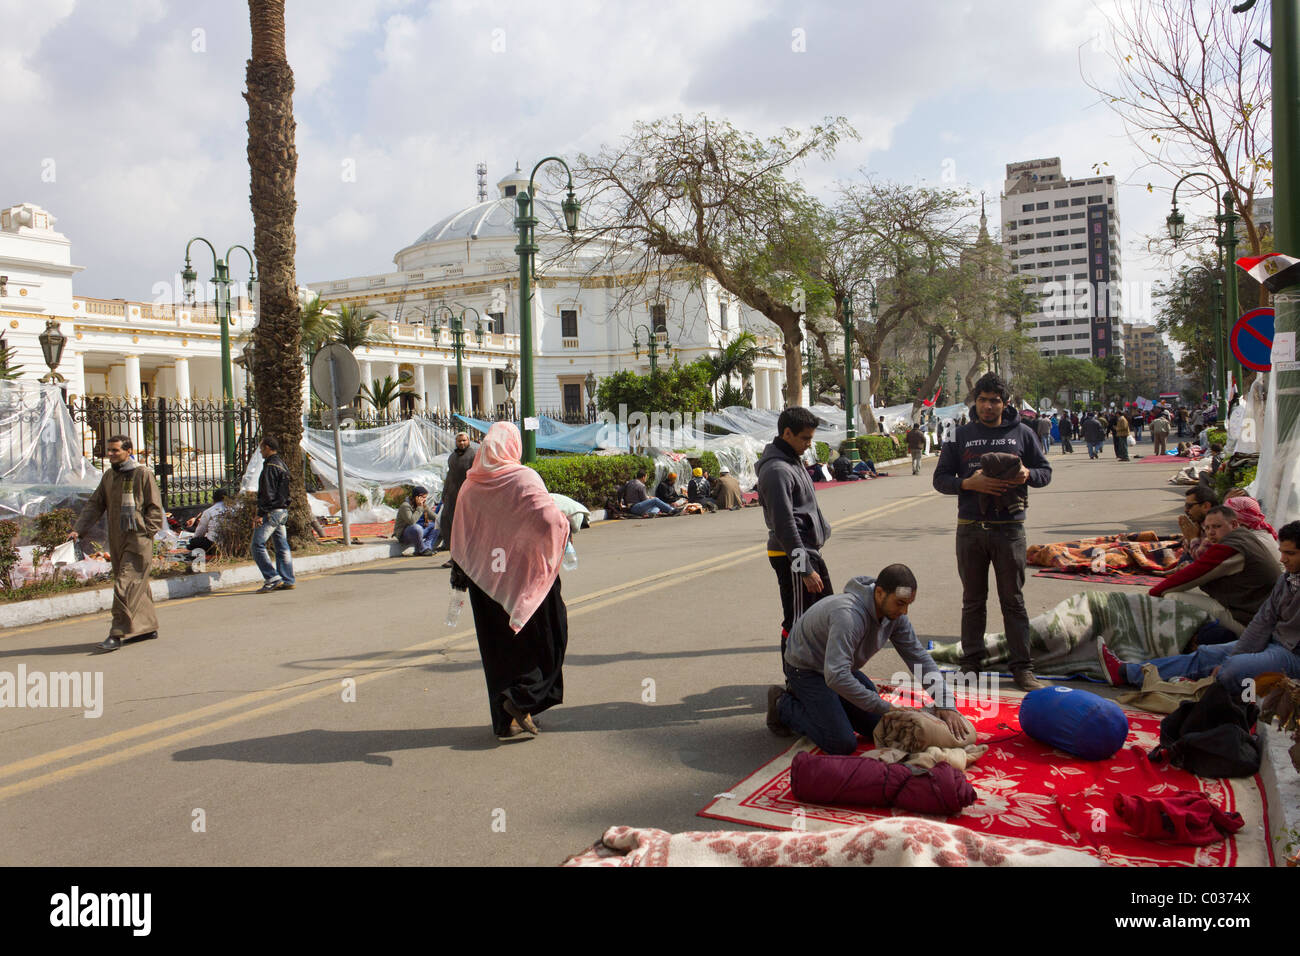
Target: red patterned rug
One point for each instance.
(1118, 577)
(382, 530)
(1027, 789)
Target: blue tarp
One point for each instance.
(557, 436)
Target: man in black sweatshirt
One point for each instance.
(795, 525)
(993, 535)
(272, 521)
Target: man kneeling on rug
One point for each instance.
(827, 697)
(1270, 642)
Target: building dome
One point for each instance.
(494, 219)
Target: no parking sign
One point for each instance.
(1252, 340)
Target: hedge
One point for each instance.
(589, 479)
(1213, 435)
(879, 447)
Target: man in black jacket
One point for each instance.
(271, 520)
(1094, 435)
(993, 535)
(795, 525)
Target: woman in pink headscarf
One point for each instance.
(507, 544)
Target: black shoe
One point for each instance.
(151, 636)
(773, 712)
(111, 643)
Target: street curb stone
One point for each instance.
(1281, 787)
(101, 599)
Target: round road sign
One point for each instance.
(1251, 340)
(347, 375)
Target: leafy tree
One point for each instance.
(735, 359)
(704, 194)
(680, 388)
(381, 393)
(357, 328)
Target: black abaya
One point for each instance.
(526, 667)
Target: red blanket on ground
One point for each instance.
(1143, 552)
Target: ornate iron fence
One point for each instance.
(182, 442)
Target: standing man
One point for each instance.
(272, 521)
(1121, 437)
(127, 496)
(459, 460)
(993, 534)
(1045, 432)
(1159, 434)
(1094, 434)
(796, 529)
(916, 445)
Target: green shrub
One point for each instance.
(823, 452)
(52, 529)
(709, 462)
(8, 554)
(589, 479)
(1216, 435)
(235, 525)
(878, 447)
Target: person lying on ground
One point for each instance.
(1270, 642)
(827, 698)
(1234, 567)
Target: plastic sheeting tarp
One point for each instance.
(42, 464)
(1277, 479)
(557, 436)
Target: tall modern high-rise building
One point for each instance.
(1062, 237)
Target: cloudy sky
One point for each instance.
(125, 118)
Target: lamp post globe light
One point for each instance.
(456, 326)
(526, 223)
(652, 345)
(850, 432)
(590, 382)
(222, 281)
(510, 377)
(52, 344)
(1226, 239)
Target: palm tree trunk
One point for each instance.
(272, 164)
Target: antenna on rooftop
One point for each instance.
(481, 169)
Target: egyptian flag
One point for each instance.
(1273, 271)
(931, 402)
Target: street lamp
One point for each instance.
(652, 345)
(456, 326)
(52, 343)
(590, 382)
(847, 322)
(222, 282)
(1226, 240)
(510, 376)
(526, 223)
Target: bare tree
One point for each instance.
(1193, 90)
(687, 197)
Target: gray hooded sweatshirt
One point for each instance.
(840, 633)
(789, 503)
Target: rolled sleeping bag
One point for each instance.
(835, 780)
(1076, 721)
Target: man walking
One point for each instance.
(272, 521)
(1094, 435)
(796, 529)
(1121, 437)
(1044, 427)
(916, 445)
(459, 460)
(1159, 434)
(990, 532)
(127, 496)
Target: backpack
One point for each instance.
(1211, 737)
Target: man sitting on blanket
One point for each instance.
(827, 697)
(1271, 642)
(1233, 567)
(1197, 503)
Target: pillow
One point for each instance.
(1076, 721)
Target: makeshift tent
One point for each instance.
(42, 465)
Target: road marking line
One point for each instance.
(370, 670)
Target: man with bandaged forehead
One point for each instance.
(827, 697)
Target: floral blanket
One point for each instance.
(895, 841)
(1141, 552)
(1137, 627)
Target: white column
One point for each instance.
(131, 380)
(778, 400)
(444, 390)
(486, 395)
(421, 399)
(760, 389)
(116, 380)
(182, 395)
(394, 372)
(367, 377)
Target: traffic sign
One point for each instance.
(1251, 339)
(347, 375)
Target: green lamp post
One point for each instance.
(456, 326)
(847, 321)
(652, 345)
(223, 282)
(1226, 240)
(526, 223)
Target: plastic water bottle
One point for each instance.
(570, 557)
(455, 607)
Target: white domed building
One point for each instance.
(584, 318)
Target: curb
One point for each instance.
(101, 599)
(1281, 787)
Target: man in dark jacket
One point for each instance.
(271, 521)
(1094, 434)
(998, 536)
(700, 492)
(459, 461)
(796, 529)
(916, 446)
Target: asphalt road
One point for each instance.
(231, 739)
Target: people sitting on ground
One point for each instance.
(1197, 503)
(1270, 642)
(415, 525)
(866, 468)
(1233, 567)
(207, 527)
(639, 502)
(827, 698)
(699, 491)
(726, 491)
(842, 467)
(1251, 516)
(666, 490)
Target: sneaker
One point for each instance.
(268, 587)
(773, 712)
(1026, 681)
(286, 587)
(1111, 665)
